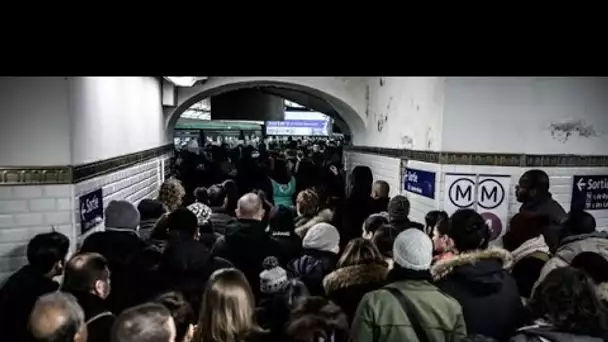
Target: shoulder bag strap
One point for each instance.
(98, 316)
(411, 313)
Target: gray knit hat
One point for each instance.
(413, 250)
(323, 237)
(398, 209)
(122, 215)
(274, 278)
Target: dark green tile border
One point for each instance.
(31, 175)
(488, 159)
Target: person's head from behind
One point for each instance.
(227, 308)
(523, 227)
(280, 171)
(250, 207)
(88, 273)
(317, 319)
(217, 196)
(150, 322)
(532, 184)
(361, 180)
(468, 231)
(183, 222)
(232, 195)
(46, 253)
(593, 264)
(567, 299)
(578, 222)
(384, 239)
(171, 194)
(150, 209)
(322, 237)
(371, 224)
(182, 314)
(57, 317)
(398, 209)
(281, 220)
(360, 252)
(294, 292)
(413, 251)
(200, 195)
(381, 189)
(432, 218)
(307, 203)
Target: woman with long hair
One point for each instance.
(227, 310)
(566, 308)
(360, 269)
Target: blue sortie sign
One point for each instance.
(590, 192)
(419, 182)
(91, 210)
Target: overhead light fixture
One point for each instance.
(183, 81)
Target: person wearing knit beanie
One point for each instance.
(121, 215)
(202, 212)
(413, 250)
(273, 278)
(398, 212)
(322, 237)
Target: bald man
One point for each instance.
(148, 322)
(246, 243)
(57, 317)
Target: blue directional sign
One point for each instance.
(91, 210)
(590, 192)
(419, 182)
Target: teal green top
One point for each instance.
(283, 193)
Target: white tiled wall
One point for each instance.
(383, 168)
(29, 210)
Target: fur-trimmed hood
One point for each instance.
(325, 215)
(354, 275)
(445, 267)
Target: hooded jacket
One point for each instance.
(485, 289)
(381, 317)
(347, 285)
(596, 242)
(186, 266)
(311, 268)
(246, 245)
(543, 333)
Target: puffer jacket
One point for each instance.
(481, 283)
(311, 268)
(381, 318)
(596, 242)
(545, 333)
(347, 285)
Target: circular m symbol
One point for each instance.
(461, 193)
(490, 193)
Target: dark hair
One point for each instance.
(384, 238)
(83, 270)
(150, 209)
(360, 252)
(360, 181)
(294, 292)
(468, 230)
(433, 217)
(280, 172)
(373, 222)
(593, 264)
(282, 220)
(232, 193)
(64, 304)
(200, 194)
(142, 323)
(216, 195)
(576, 223)
(183, 221)
(46, 249)
(317, 318)
(537, 180)
(567, 298)
(181, 311)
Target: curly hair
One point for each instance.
(308, 202)
(171, 194)
(567, 299)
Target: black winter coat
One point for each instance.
(346, 286)
(186, 265)
(547, 333)
(220, 220)
(290, 245)
(311, 268)
(487, 292)
(97, 314)
(350, 215)
(17, 299)
(548, 207)
(246, 246)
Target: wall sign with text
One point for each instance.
(91, 210)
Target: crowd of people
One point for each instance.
(270, 244)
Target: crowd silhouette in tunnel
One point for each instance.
(276, 243)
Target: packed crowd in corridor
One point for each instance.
(274, 242)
